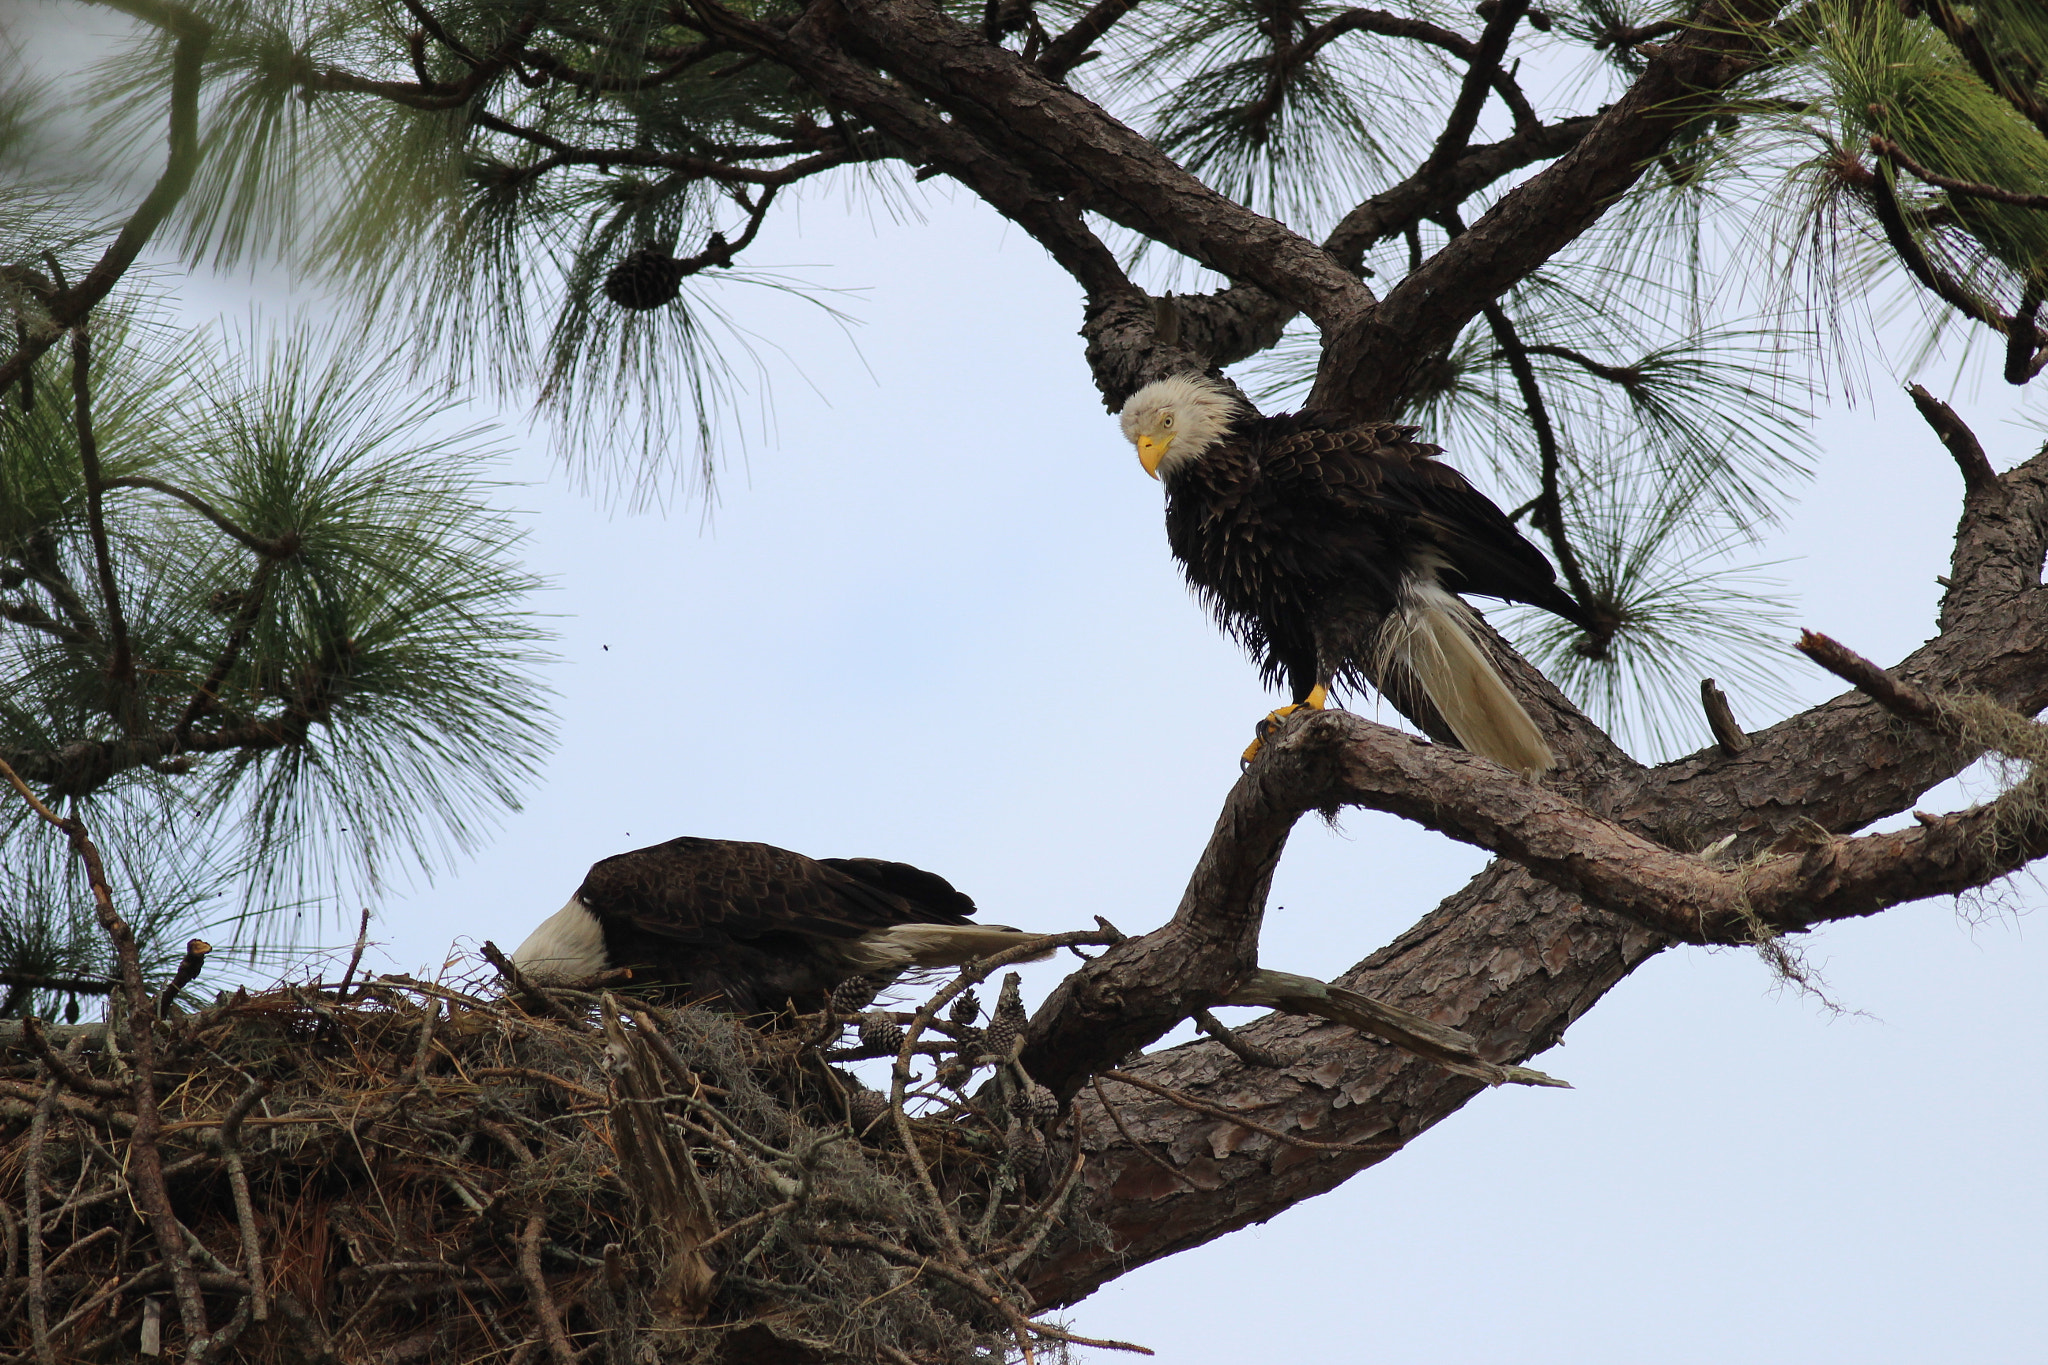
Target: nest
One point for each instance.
(413, 1171)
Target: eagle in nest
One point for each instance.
(1336, 552)
(752, 928)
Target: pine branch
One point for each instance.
(1479, 79)
(1474, 55)
(120, 662)
(1892, 152)
(69, 306)
(1070, 49)
(1547, 508)
(2017, 90)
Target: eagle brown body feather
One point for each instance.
(1301, 536)
(1334, 551)
(754, 928)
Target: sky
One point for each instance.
(930, 616)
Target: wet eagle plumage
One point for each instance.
(753, 928)
(1333, 551)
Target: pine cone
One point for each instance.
(852, 995)
(1006, 1028)
(868, 1106)
(1038, 1104)
(953, 1073)
(647, 278)
(881, 1035)
(966, 1009)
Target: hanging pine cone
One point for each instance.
(966, 1009)
(1038, 1104)
(647, 278)
(953, 1073)
(867, 1106)
(881, 1035)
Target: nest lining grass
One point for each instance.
(418, 1172)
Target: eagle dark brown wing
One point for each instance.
(755, 924)
(1376, 496)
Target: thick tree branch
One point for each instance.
(1513, 961)
(84, 765)
(1484, 66)
(809, 48)
(1428, 192)
(1077, 151)
(1370, 354)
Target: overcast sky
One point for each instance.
(931, 616)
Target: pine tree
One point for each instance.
(1605, 244)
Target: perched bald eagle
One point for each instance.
(1333, 551)
(753, 928)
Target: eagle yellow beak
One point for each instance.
(1151, 450)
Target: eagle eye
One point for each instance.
(1165, 419)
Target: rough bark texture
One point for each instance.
(1514, 958)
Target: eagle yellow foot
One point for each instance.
(1315, 701)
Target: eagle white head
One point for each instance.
(1177, 419)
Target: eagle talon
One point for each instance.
(1263, 731)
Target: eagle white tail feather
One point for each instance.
(935, 945)
(1431, 637)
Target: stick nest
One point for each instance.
(417, 1172)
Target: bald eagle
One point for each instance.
(1334, 551)
(752, 928)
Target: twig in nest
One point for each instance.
(525, 989)
(424, 1053)
(245, 1211)
(899, 1073)
(537, 1290)
(32, 1180)
(355, 958)
(1238, 1117)
(1039, 1223)
(61, 1070)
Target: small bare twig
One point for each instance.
(1248, 1053)
(1453, 1049)
(1971, 189)
(1116, 1118)
(189, 967)
(525, 989)
(1901, 698)
(355, 958)
(1721, 719)
(1961, 442)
